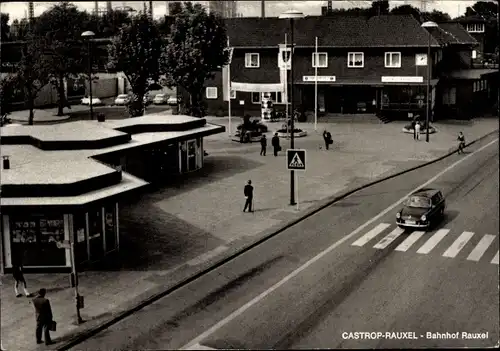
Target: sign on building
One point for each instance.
(296, 159)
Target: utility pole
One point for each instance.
(498, 59)
(262, 9)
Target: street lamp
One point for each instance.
(428, 25)
(87, 35)
(291, 15)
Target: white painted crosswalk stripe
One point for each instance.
(481, 247)
(382, 244)
(459, 244)
(495, 259)
(371, 234)
(433, 241)
(412, 239)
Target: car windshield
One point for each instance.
(122, 96)
(418, 201)
(160, 96)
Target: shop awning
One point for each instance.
(368, 82)
(473, 74)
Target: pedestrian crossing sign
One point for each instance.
(296, 159)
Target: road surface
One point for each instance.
(345, 271)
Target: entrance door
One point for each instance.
(191, 154)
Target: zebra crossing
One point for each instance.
(428, 241)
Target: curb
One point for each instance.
(87, 334)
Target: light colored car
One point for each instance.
(95, 101)
(122, 99)
(160, 99)
(173, 100)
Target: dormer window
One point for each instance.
(475, 27)
(252, 60)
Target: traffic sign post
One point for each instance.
(296, 161)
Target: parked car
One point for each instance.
(422, 209)
(95, 101)
(160, 99)
(122, 99)
(173, 101)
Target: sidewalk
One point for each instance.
(169, 234)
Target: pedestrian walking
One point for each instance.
(275, 141)
(417, 130)
(263, 145)
(17, 273)
(248, 191)
(328, 139)
(461, 143)
(44, 318)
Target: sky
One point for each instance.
(454, 8)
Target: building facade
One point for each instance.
(63, 184)
(363, 67)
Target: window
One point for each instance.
(277, 97)
(393, 59)
(232, 94)
(475, 27)
(252, 60)
(321, 61)
(474, 54)
(211, 93)
(255, 98)
(355, 59)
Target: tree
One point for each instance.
(379, 7)
(436, 16)
(8, 87)
(4, 27)
(174, 8)
(136, 52)
(109, 24)
(196, 48)
(406, 10)
(32, 72)
(61, 27)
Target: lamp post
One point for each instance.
(291, 15)
(428, 25)
(87, 35)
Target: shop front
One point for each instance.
(34, 238)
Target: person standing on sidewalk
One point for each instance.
(263, 145)
(328, 139)
(417, 130)
(461, 143)
(44, 317)
(276, 144)
(248, 191)
(17, 273)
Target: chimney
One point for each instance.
(6, 162)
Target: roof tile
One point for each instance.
(333, 31)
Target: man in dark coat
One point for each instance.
(17, 273)
(44, 317)
(328, 139)
(275, 142)
(248, 191)
(263, 145)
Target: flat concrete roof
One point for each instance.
(127, 184)
(31, 166)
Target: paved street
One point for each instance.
(309, 284)
(198, 235)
